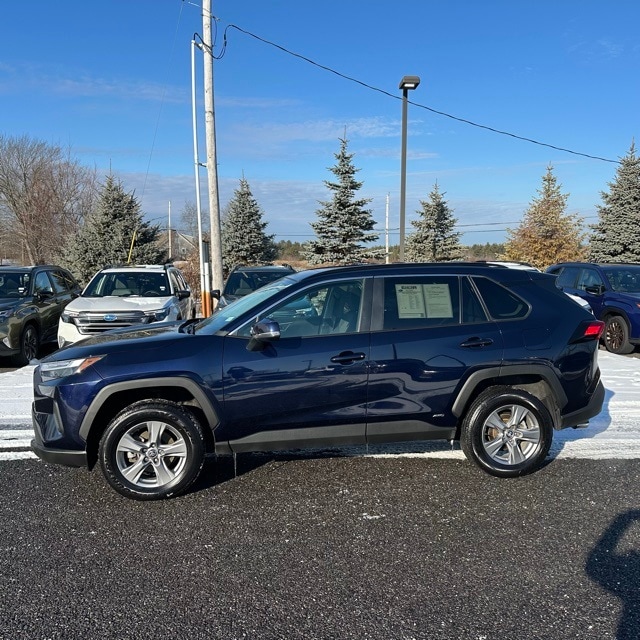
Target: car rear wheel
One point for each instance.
(616, 335)
(152, 450)
(29, 346)
(507, 432)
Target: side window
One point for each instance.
(568, 277)
(501, 303)
(472, 310)
(422, 301)
(324, 310)
(60, 283)
(179, 279)
(42, 283)
(173, 280)
(589, 278)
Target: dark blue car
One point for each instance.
(613, 291)
(497, 358)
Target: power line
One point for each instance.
(396, 97)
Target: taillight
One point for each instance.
(588, 330)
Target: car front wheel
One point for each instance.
(152, 450)
(29, 345)
(507, 432)
(616, 336)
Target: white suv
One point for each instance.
(118, 297)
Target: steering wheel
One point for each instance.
(150, 293)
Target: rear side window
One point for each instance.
(501, 303)
(423, 301)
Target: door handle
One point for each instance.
(477, 342)
(346, 357)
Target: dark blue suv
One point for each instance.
(613, 291)
(497, 358)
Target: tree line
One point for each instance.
(52, 209)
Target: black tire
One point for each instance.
(507, 432)
(134, 450)
(29, 345)
(616, 335)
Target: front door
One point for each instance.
(308, 388)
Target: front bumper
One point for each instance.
(45, 446)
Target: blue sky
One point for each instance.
(112, 81)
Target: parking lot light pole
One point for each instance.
(407, 83)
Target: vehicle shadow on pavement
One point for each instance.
(220, 469)
(614, 564)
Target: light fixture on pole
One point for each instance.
(406, 84)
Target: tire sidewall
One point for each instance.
(625, 347)
(22, 358)
(472, 431)
(171, 414)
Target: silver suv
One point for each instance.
(118, 297)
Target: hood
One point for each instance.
(113, 304)
(10, 303)
(150, 336)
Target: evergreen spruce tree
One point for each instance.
(113, 234)
(343, 225)
(243, 231)
(434, 239)
(546, 234)
(615, 237)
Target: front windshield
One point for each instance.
(13, 284)
(624, 279)
(241, 306)
(132, 283)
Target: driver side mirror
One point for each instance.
(595, 290)
(262, 333)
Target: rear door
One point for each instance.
(429, 333)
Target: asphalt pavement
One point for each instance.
(330, 547)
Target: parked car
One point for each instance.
(497, 358)
(613, 292)
(31, 301)
(244, 279)
(118, 297)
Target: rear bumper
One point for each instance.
(581, 417)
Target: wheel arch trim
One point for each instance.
(498, 374)
(175, 381)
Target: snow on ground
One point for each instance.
(614, 433)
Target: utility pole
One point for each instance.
(169, 232)
(386, 232)
(217, 279)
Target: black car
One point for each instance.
(497, 358)
(613, 292)
(244, 279)
(31, 301)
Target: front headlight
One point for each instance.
(64, 368)
(158, 315)
(67, 316)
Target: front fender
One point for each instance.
(145, 383)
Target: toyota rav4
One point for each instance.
(497, 358)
